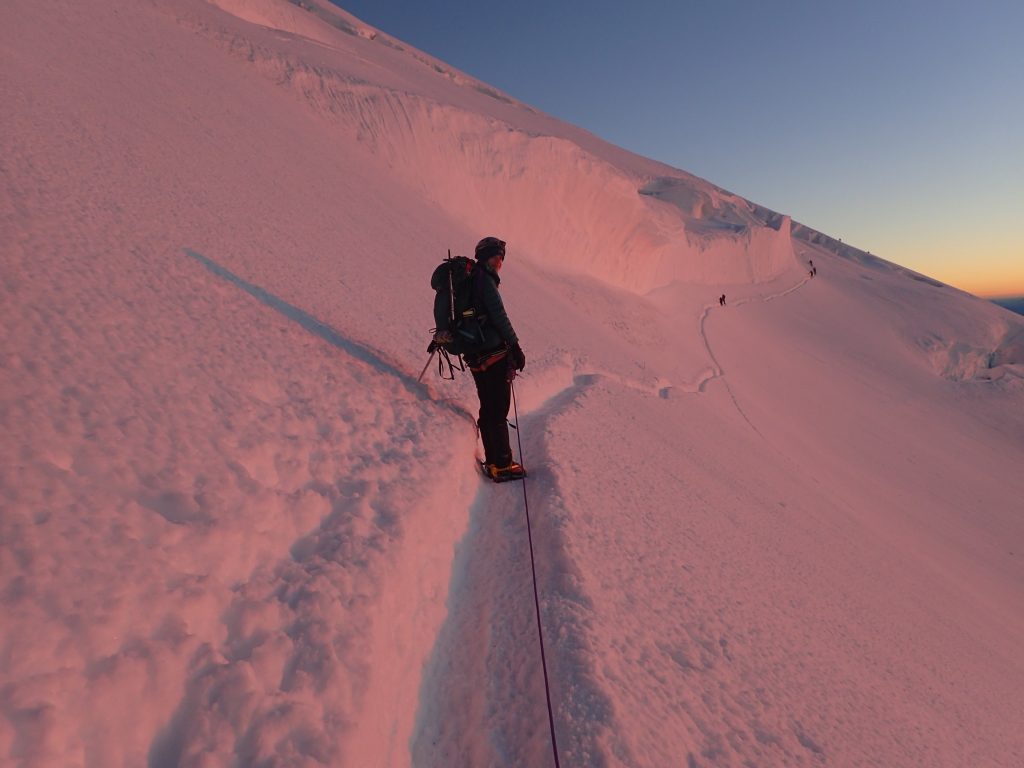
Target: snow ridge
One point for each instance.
(504, 175)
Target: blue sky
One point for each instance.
(896, 126)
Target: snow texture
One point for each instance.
(236, 531)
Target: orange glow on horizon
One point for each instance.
(987, 269)
(987, 287)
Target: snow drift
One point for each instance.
(237, 531)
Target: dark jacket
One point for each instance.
(498, 329)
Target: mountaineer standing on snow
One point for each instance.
(495, 364)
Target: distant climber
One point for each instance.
(495, 364)
(721, 300)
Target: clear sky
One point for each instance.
(897, 126)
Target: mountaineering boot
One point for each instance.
(514, 471)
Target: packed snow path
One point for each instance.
(482, 697)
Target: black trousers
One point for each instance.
(495, 392)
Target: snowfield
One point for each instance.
(236, 531)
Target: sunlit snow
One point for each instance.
(237, 532)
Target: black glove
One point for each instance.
(440, 339)
(516, 357)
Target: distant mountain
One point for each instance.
(1014, 305)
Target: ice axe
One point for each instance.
(432, 353)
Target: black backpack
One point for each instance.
(455, 310)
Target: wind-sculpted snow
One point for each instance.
(546, 191)
(303, 17)
(1011, 348)
(775, 511)
(212, 536)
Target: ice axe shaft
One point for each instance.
(432, 353)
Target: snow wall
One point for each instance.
(554, 201)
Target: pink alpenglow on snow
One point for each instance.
(236, 531)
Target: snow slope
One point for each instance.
(237, 531)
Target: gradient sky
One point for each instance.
(896, 126)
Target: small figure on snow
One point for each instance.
(721, 300)
(495, 364)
